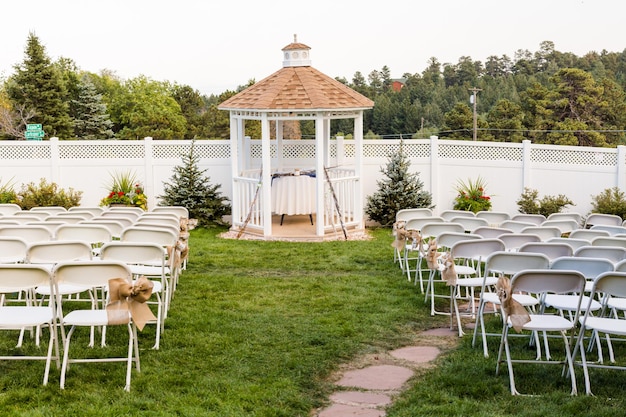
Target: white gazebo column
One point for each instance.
(320, 175)
(358, 170)
(279, 145)
(235, 140)
(266, 178)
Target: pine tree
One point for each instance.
(37, 85)
(399, 189)
(190, 188)
(91, 120)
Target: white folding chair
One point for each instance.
(495, 218)
(515, 225)
(49, 209)
(610, 285)
(115, 227)
(505, 264)
(180, 210)
(491, 232)
(565, 226)
(577, 217)
(603, 219)
(401, 215)
(448, 215)
(588, 234)
(27, 233)
(544, 232)
(551, 250)
(470, 223)
(613, 230)
(574, 243)
(614, 254)
(541, 282)
(96, 211)
(94, 234)
(149, 260)
(412, 249)
(7, 209)
(609, 241)
(535, 219)
(12, 250)
(471, 255)
(19, 278)
(513, 241)
(95, 275)
(429, 231)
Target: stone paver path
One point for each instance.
(368, 390)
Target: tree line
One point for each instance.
(546, 96)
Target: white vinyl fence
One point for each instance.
(507, 168)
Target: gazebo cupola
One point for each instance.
(297, 92)
(296, 54)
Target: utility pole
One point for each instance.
(473, 101)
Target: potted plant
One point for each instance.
(125, 190)
(471, 196)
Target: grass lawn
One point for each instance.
(256, 329)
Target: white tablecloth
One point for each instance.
(293, 195)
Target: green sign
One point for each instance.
(34, 126)
(34, 134)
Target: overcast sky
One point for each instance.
(215, 45)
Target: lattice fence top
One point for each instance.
(583, 156)
(305, 149)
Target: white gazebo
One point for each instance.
(277, 177)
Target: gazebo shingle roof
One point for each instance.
(297, 88)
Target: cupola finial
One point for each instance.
(295, 38)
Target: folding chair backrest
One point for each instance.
(613, 230)
(448, 239)
(493, 217)
(180, 210)
(407, 214)
(537, 281)
(435, 229)
(535, 219)
(603, 219)
(153, 235)
(515, 225)
(49, 209)
(611, 283)
(612, 253)
(588, 234)
(76, 213)
(510, 263)
(41, 215)
(551, 250)
(91, 233)
(90, 274)
(448, 215)
(620, 242)
(12, 249)
(9, 208)
(591, 268)
(416, 223)
(577, 217)
(477, 249)
(564, 225)
(65, 218)
(574, 243)
(26, 232)
(491, 232)
(130, 215)
(20, 277)
(113, 226)
(55, 251)
(133, 252)
(96, 211)
(544, 232)
(512, 241)
(470, 223)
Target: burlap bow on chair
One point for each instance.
(400, 234)
(513, 310)
(126, 301)
(432, 255)
(448, 273)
